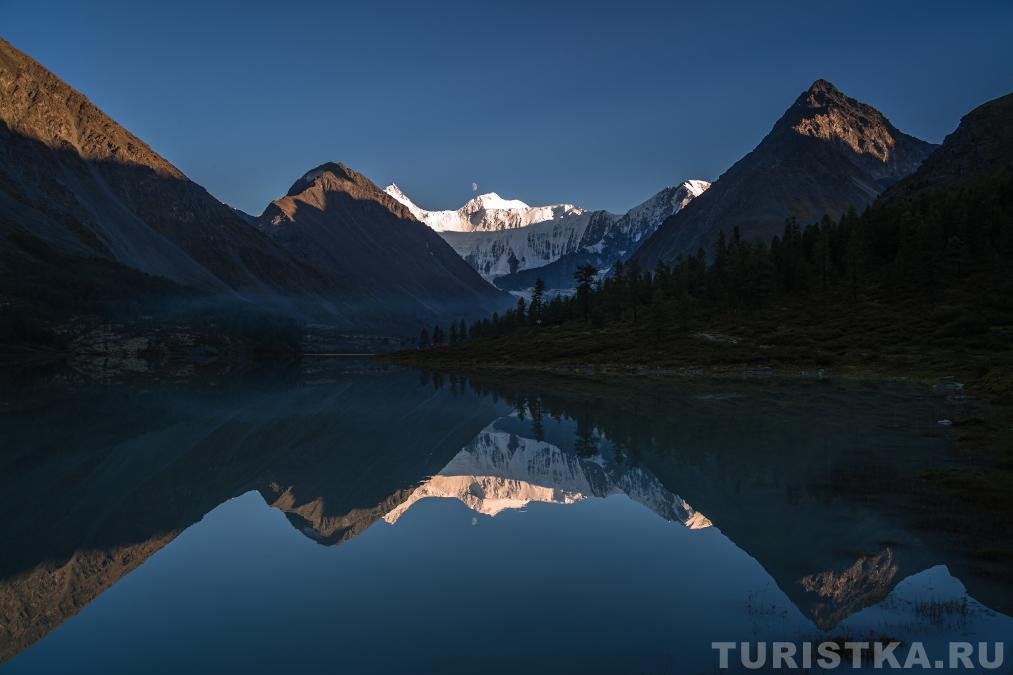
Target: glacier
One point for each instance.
(507, 241)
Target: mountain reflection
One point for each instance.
(97, 477)
(502, 469)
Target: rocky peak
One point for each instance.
(318, 186)
(824, 87)
(828, 152)
(329, 175)
(824, 112)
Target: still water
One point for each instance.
(343, 517)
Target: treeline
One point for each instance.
(897, 249)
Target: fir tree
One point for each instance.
(535, 309)
(584, 276)
(520, 314)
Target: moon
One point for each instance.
(474, 186)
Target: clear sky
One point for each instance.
(597, 104)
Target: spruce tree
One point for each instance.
(584, 276)
(520, 315)
(535, 309)
(633, 287)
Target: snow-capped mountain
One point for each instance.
(500, 470)
(499, 236)
(642, 220)
(513, 243)
(495, 254)
(608, 238)
(485, 213)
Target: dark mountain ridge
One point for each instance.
(826, 153)
(74, 178)
(981, 147)
(90, 217)
(334, 218)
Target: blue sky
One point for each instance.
(598, 104)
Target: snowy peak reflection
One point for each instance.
(502, 468)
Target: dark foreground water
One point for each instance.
(339, 517)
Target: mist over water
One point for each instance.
(341, 516)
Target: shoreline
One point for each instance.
(743, 371)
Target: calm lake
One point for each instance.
(339, 516)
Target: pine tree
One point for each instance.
(537, 299)
(633, 287)
(584, 276)
(823, 251)
(520, 315)
(890, 251)
(424, 339)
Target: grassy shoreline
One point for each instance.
(991, 381)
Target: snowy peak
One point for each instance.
(491, 200)
(394, 191)
(694, 188)
(485, 213)
(671, 199)
(642, 220)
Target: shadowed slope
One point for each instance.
(337, 220)
(73, 177)
(76, 185)
(981, 147)
(828, 152)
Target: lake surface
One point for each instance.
(343, 517)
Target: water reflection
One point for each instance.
(502, 469)
(808, 479)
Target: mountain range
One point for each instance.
(90, 217)
(76, 187)
(513, 244)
